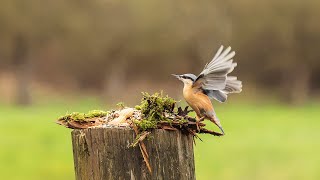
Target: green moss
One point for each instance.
(77, 116)
(153, 108)
(146, 124)
(120, 105)
(137, 107)
(96, 113)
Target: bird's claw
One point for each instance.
(197, 125)
(201, 119)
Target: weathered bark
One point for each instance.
(104, 153)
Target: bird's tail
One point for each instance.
(233, 85)
(213, 118)
(216, 121)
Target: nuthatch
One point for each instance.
(212, 83)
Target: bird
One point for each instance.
(213, 82)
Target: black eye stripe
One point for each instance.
(186, 77)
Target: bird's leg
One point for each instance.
(198, 120)
(201, 119)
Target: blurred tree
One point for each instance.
(22, 67)
(108, 45)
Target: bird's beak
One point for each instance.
(177, 76)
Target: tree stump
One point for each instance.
(104, 153)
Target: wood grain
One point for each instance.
(104, 153)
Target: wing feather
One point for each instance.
(214, 75)
(218, 53)
(217, 95)
(213, 79)
(233, 85)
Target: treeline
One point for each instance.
(106, 45)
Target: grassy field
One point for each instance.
(263, 141)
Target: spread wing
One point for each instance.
(213, 79)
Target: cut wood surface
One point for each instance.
(105, 153)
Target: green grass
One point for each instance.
(263, 141)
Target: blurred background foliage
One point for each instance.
(77, 55)
(109, 48)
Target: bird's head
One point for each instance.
(186, 78)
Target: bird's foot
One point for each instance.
(198, 121)
(198, 126)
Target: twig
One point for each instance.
(143, 148)
(206, 131)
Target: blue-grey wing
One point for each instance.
(232, 86)
(216, 94)
(214, 74)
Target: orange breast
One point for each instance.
(198, 101)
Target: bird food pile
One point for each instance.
(155, 112)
